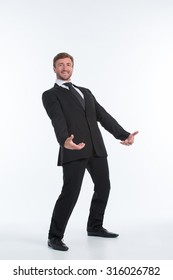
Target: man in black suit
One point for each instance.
(75, 113)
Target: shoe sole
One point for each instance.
(99, 235)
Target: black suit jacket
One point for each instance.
(68, 117)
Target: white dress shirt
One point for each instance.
(60, 83)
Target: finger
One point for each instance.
(81, 144)
(70, 138)
(78, 146)
(134, 133)
(126, 143)
(123, 143)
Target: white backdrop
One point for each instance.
(123, 52)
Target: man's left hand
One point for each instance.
(130, 140)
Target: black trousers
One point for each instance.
(73, 174)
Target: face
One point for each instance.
(63, 68)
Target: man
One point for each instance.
(74, 113)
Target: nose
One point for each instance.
(65, 67)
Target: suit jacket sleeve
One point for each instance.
(54, 111)
(109, 123)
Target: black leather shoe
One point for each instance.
(57, 244)
(102, 232)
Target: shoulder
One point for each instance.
(50, 93)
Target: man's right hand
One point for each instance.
(69, 144)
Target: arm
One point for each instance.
(54, 111)
(111, 125)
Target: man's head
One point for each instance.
(63, 66)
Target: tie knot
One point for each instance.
(68, 84)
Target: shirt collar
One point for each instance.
(60, 82)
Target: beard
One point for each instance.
(64, 76)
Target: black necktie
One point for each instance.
(76, 94)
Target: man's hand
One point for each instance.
(69, 144)
(130, 140)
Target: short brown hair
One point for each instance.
(62, 55)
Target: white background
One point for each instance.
(123, 53)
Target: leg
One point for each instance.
(73, 173)
(98, 169)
